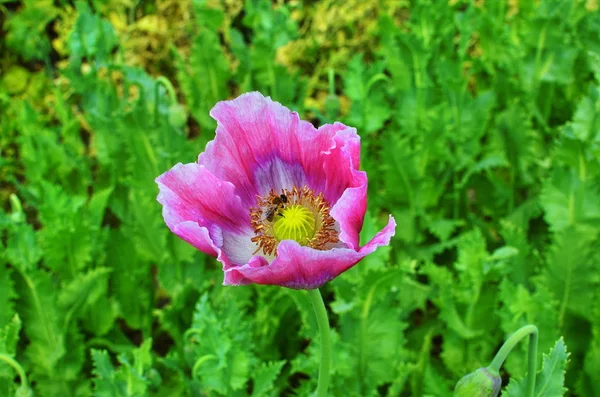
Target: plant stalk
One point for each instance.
(161, 80)
(511, 342)
(17, 367)
(323, 322)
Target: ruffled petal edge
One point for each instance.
(301, 267)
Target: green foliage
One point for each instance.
(480, 128)
(550, 380)
(133, 377)
(27, 30)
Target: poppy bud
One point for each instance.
(23, 391)
(480, 383)
(177, 115)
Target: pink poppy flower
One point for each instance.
(276, 200)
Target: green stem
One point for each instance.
(162, 80)
(200, 362)
(323, 322)
(511, 342)
(14, 363)
(418, 375)
(331, 80)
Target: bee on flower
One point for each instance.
(276, 200)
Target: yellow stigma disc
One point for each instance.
(296, 222)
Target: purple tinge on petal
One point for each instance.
(259, 137)
(301, 267)
(204, 211)
(261, 145)
(191, 192)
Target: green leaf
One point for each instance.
(550, 380)
(92, 36)
(219, 346)
(572, 270)
(82, 292)
(568, 200)
(588, 384)
(130, 379)
(66, 237)
(42, 320)
(22, 249)
(205, 75)
(264, 377)
(130, 280)
(27, 29)
(9, 337)
(585, 125)
(363, 84)
(7, 294)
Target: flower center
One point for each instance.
(297, 214)
(295, 223)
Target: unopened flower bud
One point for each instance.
(177, 115)
(24, 391)
(480, 383)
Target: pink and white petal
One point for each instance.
(230, 249)
(259, 142)
(198, 236)
(233, 277)
(252, 130)
(238, 248)
(349, 212)
(315, 149)
(301, 267)
(381, 239)
(261, 145)
(295, 267)
(339, 163)
(190, 192)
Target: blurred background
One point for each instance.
(480, 128)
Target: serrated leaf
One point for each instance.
(130, 281)
(550, 380)
(104, 372)
(42, 320)
(568, 200)
(9, 336)
(82, 292)
(571, 270)
(264, 377)
(103, 367)
(22, 249)
(130, 379)
(66, 237)
(221, 354)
